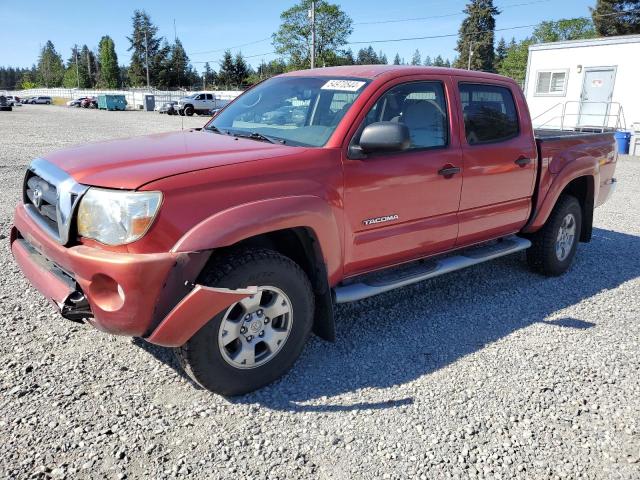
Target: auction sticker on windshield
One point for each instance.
(343, 85)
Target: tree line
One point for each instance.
(162, 64)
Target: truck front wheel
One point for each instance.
(258, 339)
(554, 245)
(188, 110)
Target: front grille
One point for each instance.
(50, 197)
(43, 196)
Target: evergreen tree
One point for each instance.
(226, 72)
(108, 59)
(161, 67)
(501, 52)
(241, 70)
(50, 71)
(145, 45)
(616, 17)
(89, 63)
(347, 58)
(73, 70)
(367, 56)
(427, 61)
(439, 62)
(396, 59)
(29, 79)
(179, 63)
(416, 59)
(210, 75)
(382, 58)
(11, 78)
(476, 35)
(274, 67)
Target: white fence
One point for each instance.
(135, 97)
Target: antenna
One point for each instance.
(175, 32)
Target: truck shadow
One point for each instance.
(400, 336)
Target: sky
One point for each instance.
(206, 29)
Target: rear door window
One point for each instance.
(489, 113)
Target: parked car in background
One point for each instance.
(169, 108)
(89, 102)
(199, 102)
(13, 100)
(233, 242)
(76, 102)
(5, 106)
(41, 100)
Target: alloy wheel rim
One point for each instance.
(566, 237)
(255, 329)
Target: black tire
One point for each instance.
(542, 256)
(188, 110)
(181, 112)
(201, 357)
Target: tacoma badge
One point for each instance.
(386, 218)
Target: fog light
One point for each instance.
(106, 293)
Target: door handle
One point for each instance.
(523, 161)
(448, 172)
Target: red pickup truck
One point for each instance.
(232, 243)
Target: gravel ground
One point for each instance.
(492, 372)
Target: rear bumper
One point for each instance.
(129, 294)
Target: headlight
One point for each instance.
(116, 217)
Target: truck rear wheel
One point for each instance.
(258, 339)
(554, 245)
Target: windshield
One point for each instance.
(295, 110)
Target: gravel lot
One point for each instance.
(492, 372)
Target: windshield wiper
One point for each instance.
(214, 129)
(261, 137)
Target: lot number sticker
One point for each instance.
(343, 85)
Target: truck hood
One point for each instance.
(132, 162)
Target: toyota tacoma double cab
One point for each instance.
(232, 243)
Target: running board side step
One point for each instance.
(402, 276)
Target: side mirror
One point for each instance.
(385, 137)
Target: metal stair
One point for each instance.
(390, 279)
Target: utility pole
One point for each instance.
(89, 66)
(77, 69)
(146, 57)
(470, 55)
(312, 14)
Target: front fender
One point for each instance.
(580, 167)
(238, 223)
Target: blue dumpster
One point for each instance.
(623, 139)
(112, 102)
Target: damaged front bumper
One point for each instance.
(144, 295)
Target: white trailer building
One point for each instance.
(585, 84)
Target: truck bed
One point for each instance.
(558, 148)
(555, 134)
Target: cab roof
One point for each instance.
(373, 71)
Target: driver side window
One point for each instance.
(421, 106)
